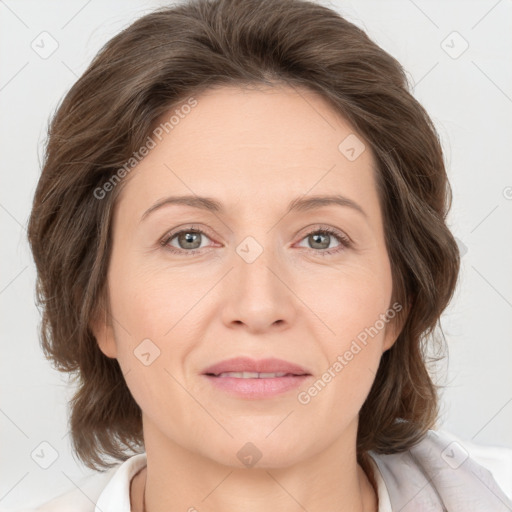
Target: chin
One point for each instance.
(259, 452)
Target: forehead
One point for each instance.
(250, 143)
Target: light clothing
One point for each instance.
(441, 473)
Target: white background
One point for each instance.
(468, 97)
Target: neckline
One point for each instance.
(382, 491)
(138, 462)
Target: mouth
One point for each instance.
(245, 367)
(253, 379)
(254, 375)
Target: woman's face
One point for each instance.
(193, 286)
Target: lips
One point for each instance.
(241, 365)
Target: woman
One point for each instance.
(241, 247)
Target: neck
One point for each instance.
(178, 479)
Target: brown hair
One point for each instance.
(152, 66)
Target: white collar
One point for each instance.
(115, 497)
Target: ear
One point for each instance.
(394, 328)
(391, 335)
(102, 329)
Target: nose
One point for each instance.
(259, 292)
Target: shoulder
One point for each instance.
(111, 486)
(81, 498)
(444, 470)
(496, 459)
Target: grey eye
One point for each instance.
(188, 239)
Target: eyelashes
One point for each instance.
(194, 233)
(344, 241)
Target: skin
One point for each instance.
(254, 150)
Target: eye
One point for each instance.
(320, 241)
(189, 241)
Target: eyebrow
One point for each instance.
(299, 204)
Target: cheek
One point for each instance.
(352, 357)
(356, 309)
(143, 302)
(352, 299)
(153, 333)
(144, 313)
